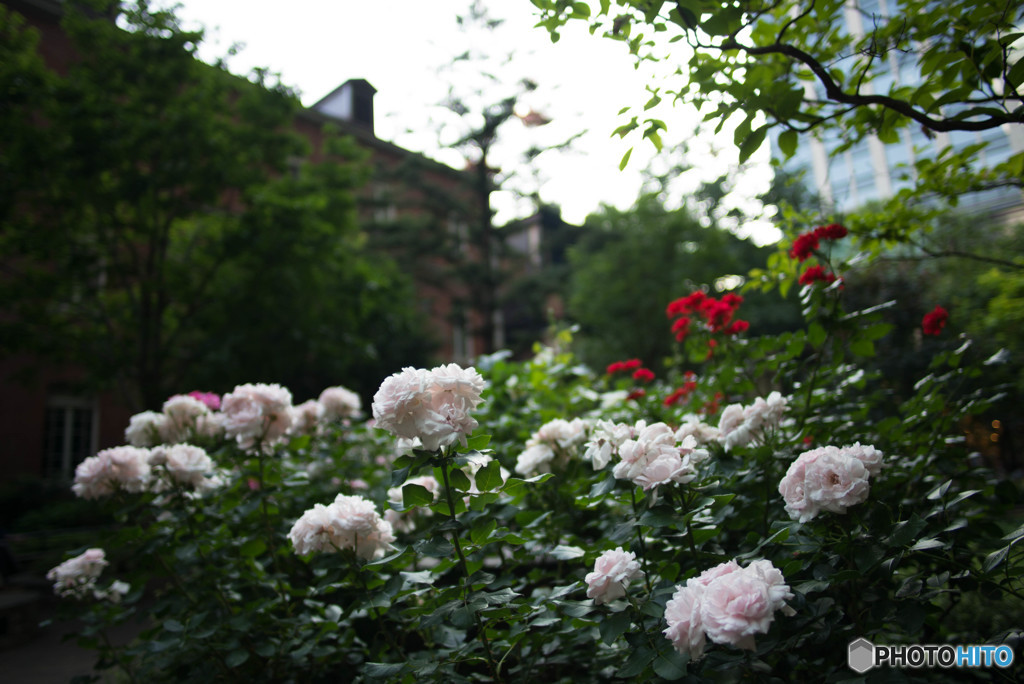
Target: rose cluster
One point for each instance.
(654, 456)
(349, 522)
(829, 479)
(740, 425)
(805, 245)
(716, 314)
(135, 469)
(76, 577)
(431, 405)
(727, 604)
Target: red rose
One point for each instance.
(934, 321)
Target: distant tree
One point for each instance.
(826, 68)
(152, 234)
(630, 264)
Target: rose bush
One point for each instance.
(535, 519)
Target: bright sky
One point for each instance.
(404, 48)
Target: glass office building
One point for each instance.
(872, 170)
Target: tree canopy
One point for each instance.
(798, 66)
(157, 220)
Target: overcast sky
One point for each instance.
(404, 48)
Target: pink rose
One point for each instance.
(257, 414)
(613, 571)
(685, 630)
(824, 479)
(735, 607)
(727, 604)
(339, 402)
(430, 405)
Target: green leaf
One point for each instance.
(236, 658)
(926, 544)
(561, 552)
(625, 159)
(482, 529)
(612, 627)
(862, 347)
(488, 477)
(383, 670)
(995, 559)
(816, 334)
(459, 480)
(752, 142)
(253, 547)
(416, 495)
(670, 665)
(477, 442)
(788, 143)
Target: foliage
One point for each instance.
(799, 67)
(151, 194)
(486, 580)
(629, 264)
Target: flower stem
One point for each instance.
(446, 461)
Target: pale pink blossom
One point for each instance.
(257, 415)
(693, 426)
(210, 426)
(433, 405)
(144, 429)
(685, 630)
(124, 467)
(306, 417)
(185, 464)
(340, 402)
(739, 425)
(536, 458)
(613, 571)
(350, 522)
(734, 608)
(181, 412)
(824, 479)
(562, 433)
(866, 454)
(77, 576)
(654, 457)
(605, 440)
(727, 604)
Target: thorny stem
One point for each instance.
(445, 462)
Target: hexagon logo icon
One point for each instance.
(861, 655)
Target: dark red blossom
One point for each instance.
(711, 349)
(684, 305)
(681, 393)
(732, 299)
(681, 328)
(643, 375)
(832, 231)
(816, 274)
(622, 366)
(674, 398)
(717, 313)
(737, 327)
(934, 321)
(636, 394)
(804, 246)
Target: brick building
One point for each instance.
(47, 426)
